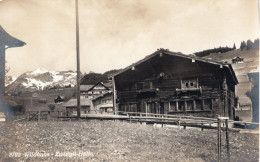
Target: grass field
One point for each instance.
(118, 141)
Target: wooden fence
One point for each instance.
(48, 115)
(147, 118)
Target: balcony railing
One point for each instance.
(188, 89)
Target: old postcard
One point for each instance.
(129, 80)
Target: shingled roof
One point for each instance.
(73, 102)
(178, 54)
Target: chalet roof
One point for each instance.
(9, 40)
(178, 54)
(62, 97)
(106, 85)
(73, 102)
(109, 84)
(85, 87)
(90, 87)
(237, 57)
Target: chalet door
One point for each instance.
(161, 107)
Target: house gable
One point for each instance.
(162, 60)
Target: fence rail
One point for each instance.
(150, 118)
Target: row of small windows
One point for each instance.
(94, 92)
(152, 107)
(190, 83)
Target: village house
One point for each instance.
(59, 99)
(92, 91)
(166, 82)
(237, 60)
(71, 106)
(104, 103)
(94, 99)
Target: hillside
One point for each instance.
(30, 100)
(93, 78)
(251, 62)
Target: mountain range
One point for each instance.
(40, 79)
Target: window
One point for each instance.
(180, 105)
(198, 104)
(189, 83)
(96, 92)
(172, 106)
(151, 107)
(144, 85)
(122, 107)
(207, 104)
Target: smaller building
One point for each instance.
(92, 91)
(71, 106)
(59, 99)
(103, 103)
(237, 60)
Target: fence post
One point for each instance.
(227, 140)
(219, 137)
(39, 115)
(219, 140)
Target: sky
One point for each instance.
(117, 33)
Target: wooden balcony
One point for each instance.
(189, 89)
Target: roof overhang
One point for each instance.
(8, 40)
(178, 54)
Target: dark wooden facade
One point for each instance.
(172, 83)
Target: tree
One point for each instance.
(250, 44)
(243, 45)
(256, 44)
(234, 46)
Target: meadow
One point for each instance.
(96, 140)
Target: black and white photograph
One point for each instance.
(129, 80)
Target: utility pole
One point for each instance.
(78, 60)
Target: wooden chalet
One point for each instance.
(71, 106)
(92, 91)
(166, 82)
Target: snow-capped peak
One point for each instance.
(39, 71)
